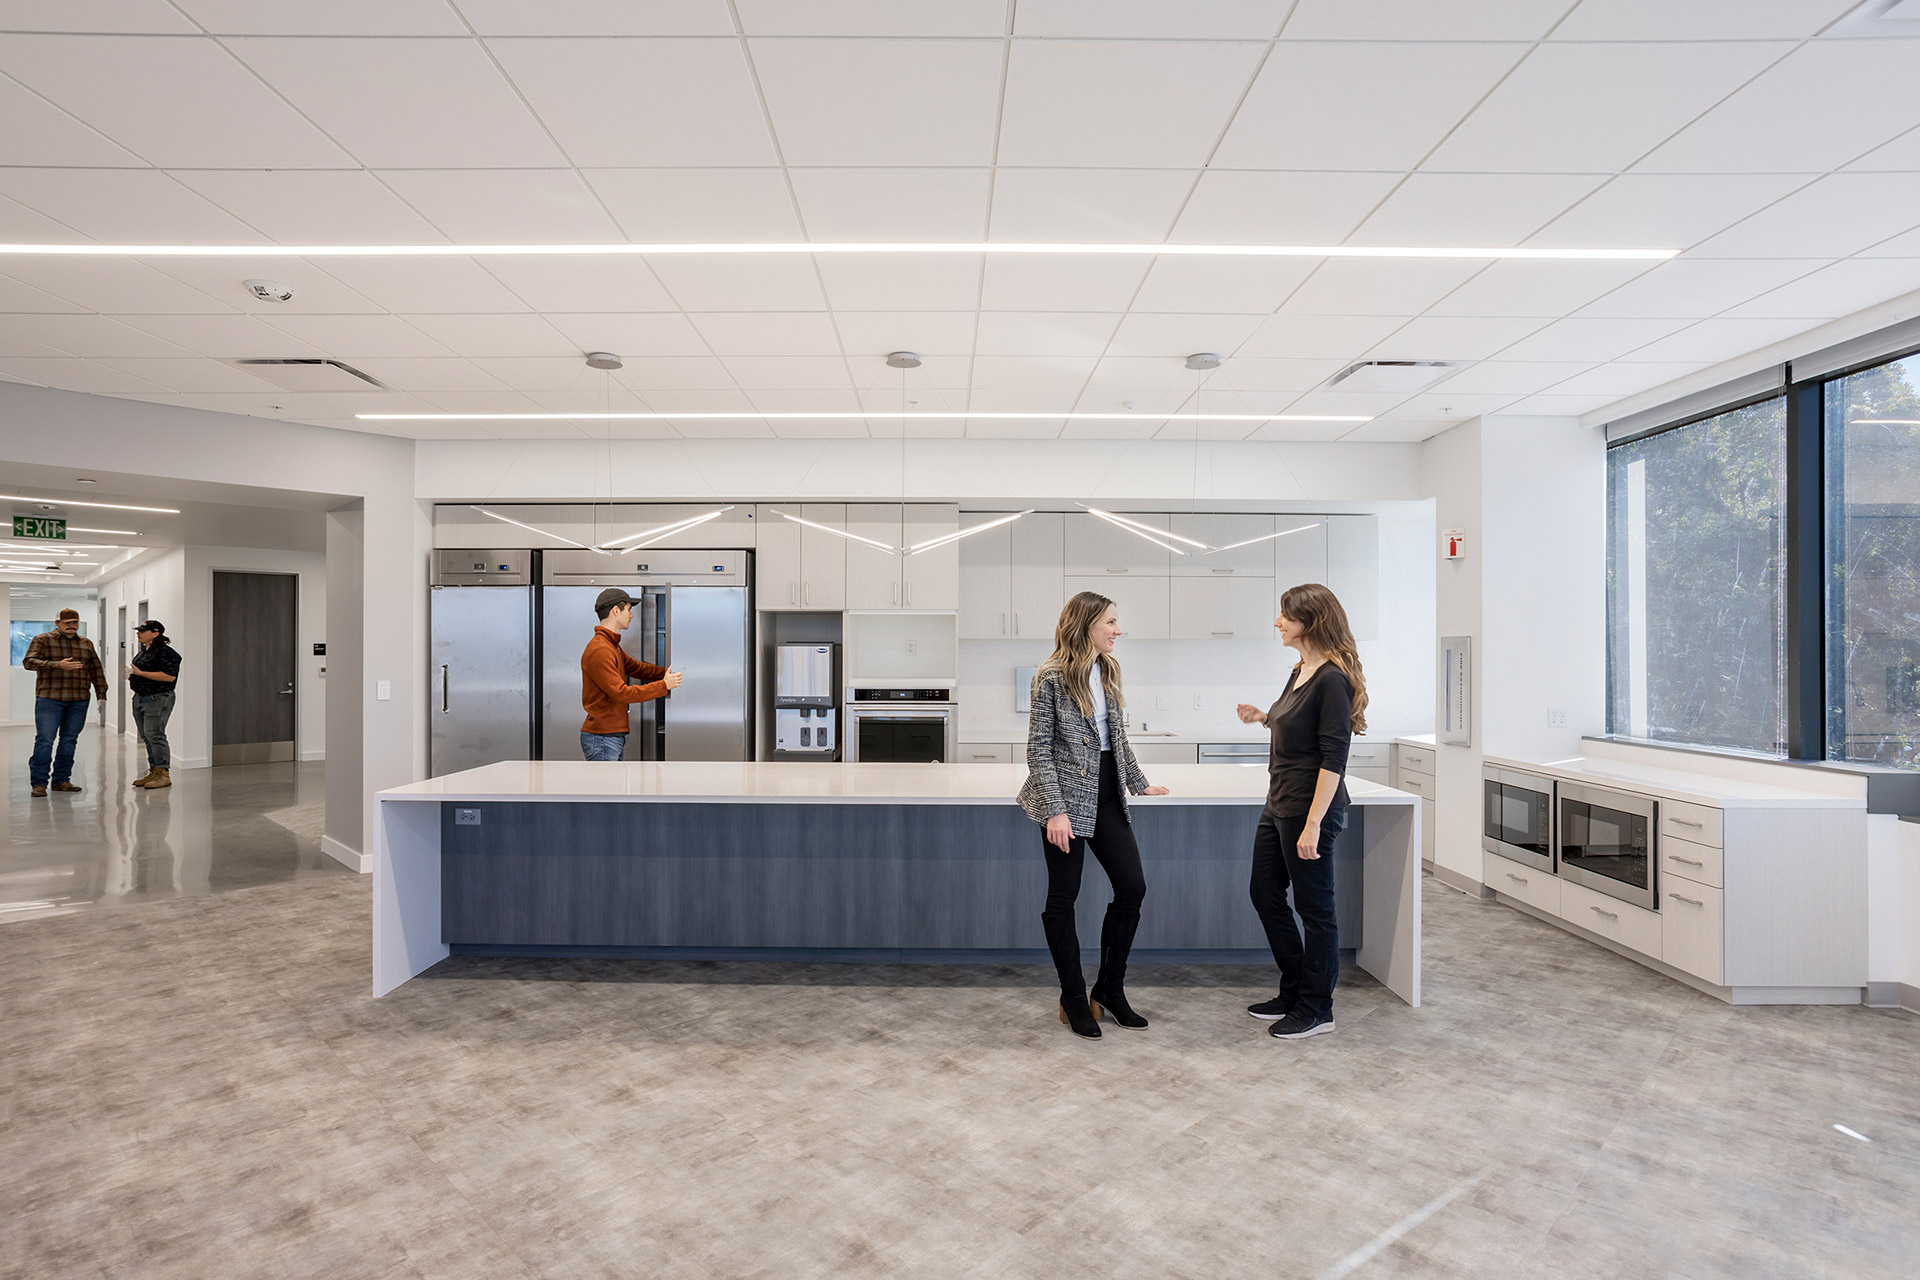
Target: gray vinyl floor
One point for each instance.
(199, 1086)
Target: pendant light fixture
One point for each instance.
(648, 537)
(545, 533)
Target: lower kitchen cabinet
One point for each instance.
(1634, 928)
(1150, 752)
(1538, 889)
(1690, 929)
(989, 753)
(1413, 770)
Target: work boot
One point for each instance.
(67, 786)
(157, 779)
(145, 780)
(39, 791)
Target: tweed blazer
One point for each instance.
(1063, 758)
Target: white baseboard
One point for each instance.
(340, 853)
(321, 754)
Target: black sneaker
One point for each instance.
(1298, 1026)
(1271, 1010)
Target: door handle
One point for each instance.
(896, 595)
(1016, 624)
(443, 688)
(806, 593)
(909, 595)
(793, 593)
(1003, 624)
(1692, 902)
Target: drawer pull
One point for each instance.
(1682, 822)
(1611, 915)
(1686, 862)
(1692, 902)
(1223, 633)
(1516, 879)
(1113, 570)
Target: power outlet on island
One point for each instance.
(1557, 717)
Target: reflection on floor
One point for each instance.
(213, 830)
(202, 1087)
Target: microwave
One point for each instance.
(1609, 841)
(1517, 817)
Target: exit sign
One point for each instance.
(39, 527)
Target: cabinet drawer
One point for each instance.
(1690, 822)
(1418, 783)
(1690, 929)
(1369, 755)
(1418, 759)
(1696, 862)
(986, 753)
(1538, 889)
(1632, 927)
(1163, 752)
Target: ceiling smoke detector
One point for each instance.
(604, 360)
(902, 360)
(1404, 376)
(1203, 360)
(269, 290)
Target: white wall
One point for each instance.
(1451, 463)
(159, 578)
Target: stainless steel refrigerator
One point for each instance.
(695, 615)
(481, 680)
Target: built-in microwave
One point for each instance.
(1518, 817)
(1609, 841)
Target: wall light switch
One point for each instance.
(1160, 702)
(383, 690)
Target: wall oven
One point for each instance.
(1608, 841)
(1518, 817)
(902, 726)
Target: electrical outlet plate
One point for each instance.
(466, 817)
(1199, 702)
(1557, 717)
(1160, 702)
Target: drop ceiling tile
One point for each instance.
(348, 337)
(1836, 291)
(494, 335)
(1138, 378)
(1150, 19)
(1445, 405)
(171, 101)
(1244, 207)
(545, 373)
(1379, 286)
(1023, 400)
(731, 429)
(1899, 156)
(144, 17)
(90, 336)
(1190, 430)
(402, 103)
(581, 284)
(1025, 283)
(1159, 104)
(425, 284)
(940, 333)
(1358, 106)
(805, 400)
(892, 204)
(1346, 403)
(677, 373)
(1553, 406)
(881, 102)
(12, 344)
(1482, 209)
(354, 402)
(125, 206)
(222, 336)
(1045, 333)
(335, 18)
(506, 206)
(1397, 431)
(872, 17)
(1101, 206)
(598, 17)
(1268, 374)
(224, 279)
(76, 375)
(281, 406)
(1823, 105)
(1694, 288)
(1253, 287)
(1906, 245)
(480, 402)
(1059, 374)
(817, 429)
(1699, 19)
(692, 206)
(768, 333)
(1711, 341)
(902, 282)
(1455, 337)
(1840, 214)
(1589, 340)
(192, 375)
(312, 206)
(1511, 288)
(1510, 378)
(749, 283)
(1310, 337)
(39, 133)
(113, 286)
(719, 399)
(1110, 430)
(1148, 334)
(1423, 20)
(415, 374)
(1005, 429)
(1302, 432)
(1619, 378)
(940, 377)
(516, 430)
(1664, 210)
(756, 373)
(21, 225)
(643, 101)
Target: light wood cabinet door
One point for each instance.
(1299, 557)
(1222, 609)
(931, 579)
(1690, 929)
(873, 575)
(1253, 561)
(1096, 547)
(823, 558)
(1142, 602)
(986, 581)
(1038, 574)
(776, 562)
(1353, 570)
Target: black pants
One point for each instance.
(1113, 844)
(1307, 972)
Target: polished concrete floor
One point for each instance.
(213, 830)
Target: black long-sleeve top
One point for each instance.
(1312, 729)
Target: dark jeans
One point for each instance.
(51, 717)
(603, 746)
(1307, 972)
(150, 714)
(1113, 844)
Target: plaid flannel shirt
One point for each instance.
(51, 647)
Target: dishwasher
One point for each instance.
(1234, 753)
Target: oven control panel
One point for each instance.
(903, 695)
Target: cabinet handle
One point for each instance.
(806, 593)
(1611, 915)
(443, 688)
(909, 595)
(1692, 902)
(1682, 822)
(1520, 879)
(1223, 633)
(1016, 624)
(1110, 570)
(1223, 571)
(793, 593)
(1003, 624)
(1687, 862)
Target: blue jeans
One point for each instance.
(603, 746)
(150, 712)
(53, 716)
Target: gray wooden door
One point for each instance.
(119, 663)
(252, 647)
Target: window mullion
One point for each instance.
(1805, 569)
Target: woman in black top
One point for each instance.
(1313, 723)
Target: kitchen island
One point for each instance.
(806, 861)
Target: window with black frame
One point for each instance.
(1873, 564)
(1696, 600)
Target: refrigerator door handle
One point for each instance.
(444, 690)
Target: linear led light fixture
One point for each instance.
(647, 537)
(48, 573)
(125, 533)
(946, 538)
(1265, 537)
(75, 502)
(1537, 254)
(883, 414)
(1147, 531)
(542, 532)
(840, 533)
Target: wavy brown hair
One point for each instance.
(1324, 621)
(1074, 656)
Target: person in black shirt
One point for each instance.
(1312, 726)
(151, 676)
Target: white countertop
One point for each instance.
(1237, 732)
(1417, 740)
(1678, 784)
(804, 782)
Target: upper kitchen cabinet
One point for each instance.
(986, 582)
(931, 579)
(1302, 556)
(797, 568)
(1038, 578)
(1222, 609)
(1253, 561)
(879, 579)
(1096, 547)
(1141, 601)
(1353, 570)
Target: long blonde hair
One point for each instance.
(1074, 657)
(1324, 622)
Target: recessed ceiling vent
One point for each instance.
(1404, 376)
(310, 375)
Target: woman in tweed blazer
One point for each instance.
(1077, 754)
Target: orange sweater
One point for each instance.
(604, 691)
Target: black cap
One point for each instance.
(611, 597)
(151, 624)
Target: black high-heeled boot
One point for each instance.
(1108, 992)
(1064, 942)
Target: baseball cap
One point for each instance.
(151, 624)
(75, 613)
(610, 597)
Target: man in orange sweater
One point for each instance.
(604, 671)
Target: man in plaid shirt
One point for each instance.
(66, 668)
